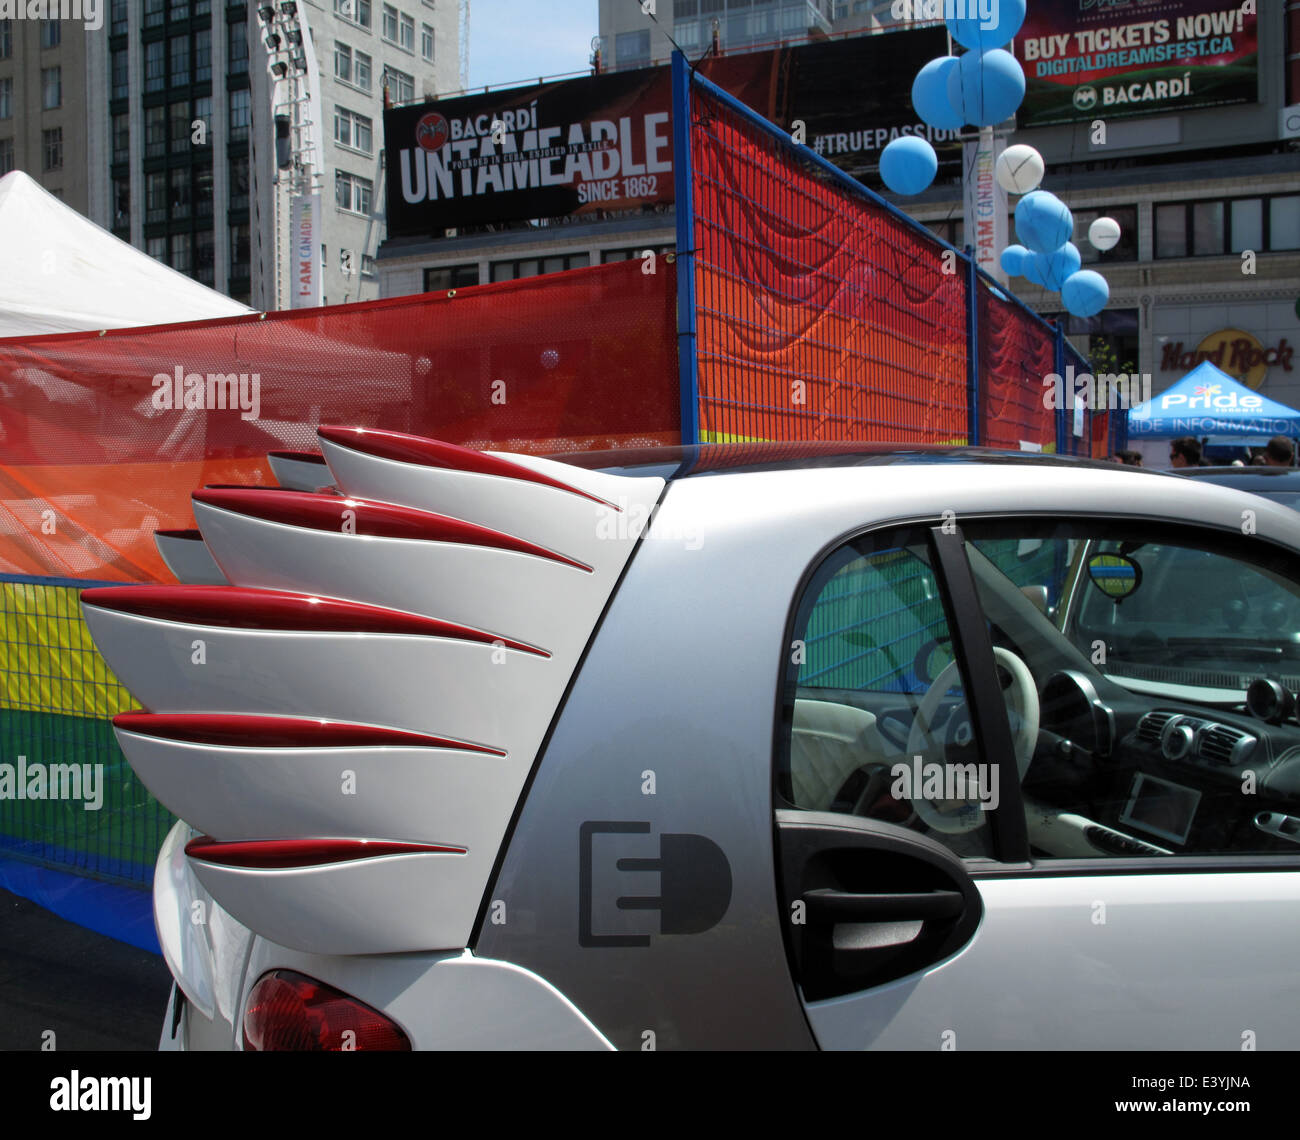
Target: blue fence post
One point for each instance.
(1062, 412)
(687, 362)
(972, 351)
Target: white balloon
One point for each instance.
(1104, 233)
(1019, 169)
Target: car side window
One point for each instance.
(875, 721)
(1165, 666)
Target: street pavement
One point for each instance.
(93, 992)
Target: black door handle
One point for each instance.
(845, 906)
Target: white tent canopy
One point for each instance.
(59, 272)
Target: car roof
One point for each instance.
(1248, 478)
(680, 462)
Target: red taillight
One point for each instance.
(288, 1011)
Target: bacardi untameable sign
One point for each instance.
(533, 152)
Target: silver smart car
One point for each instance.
(745, 746)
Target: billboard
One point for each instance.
(604, 143)
(1089, 59)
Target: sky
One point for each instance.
(512, 41)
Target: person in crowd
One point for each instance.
(1280, 452)
(1185, 452)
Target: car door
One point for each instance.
(1068, 881)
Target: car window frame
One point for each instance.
(972, 649)
(1021, 525)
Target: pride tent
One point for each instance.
(1207, 402)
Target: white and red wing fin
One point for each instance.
(187, 556)
(587, 515)
(404, 559)
(351, 720)
(299, 470)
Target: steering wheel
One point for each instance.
(961, 816)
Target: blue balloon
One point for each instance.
(908, 165)
(986, 87)
(1085, 293)
(1043, 222)
(1056, 266)
(1031, 271)
(1013, 260)
(930, 95)
(1000, 28)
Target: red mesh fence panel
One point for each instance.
(819, 315)
(1016, 354)
(95, 456)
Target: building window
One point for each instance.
(632, 49)
(1247, 225)
(352, 193)
(1284, 222)
(177, 11)
(180, 56)
(155, 132)
(368, 265)
(51, 33)
(6, 98)
(408, 32)
(155, 196)
(450, 277)
(236, 49)
(118, 18)
(180, 194)
(426, 42)
(52, 149)
(155, 65)
(203, 191)
(239, 183)
(6, 156)
(182, 250)
(239, 252)
(342, 62)
(6, 38)
(205, 257)
(155, 12)
(156, 248)
(353, 130)
(390, 23)
(633, 253)
(401, 87)
(239, 115)
(203, 55)
(121, 138)
(203, 114)
(121, 203)
(361, 71)
(51, 87)
(1126, 249)
(182, 126)
(1220, 227)
(354, 11)
(121, 74)
(532, 266)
